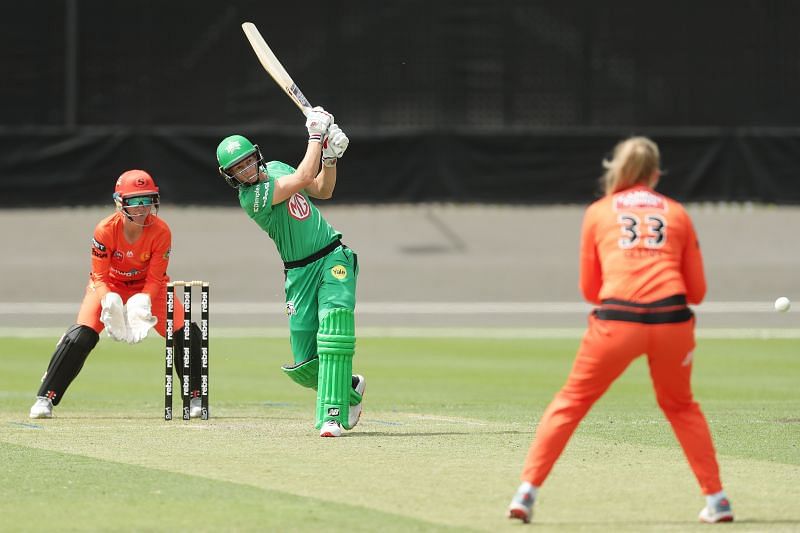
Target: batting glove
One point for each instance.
(317, 123)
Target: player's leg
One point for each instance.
(670, 358)
(69, 356)
(608, 347)
(301, 308)
(336, 344)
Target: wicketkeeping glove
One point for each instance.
(140, 317)
(317, 123)
(112, 315)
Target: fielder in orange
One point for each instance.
(641, 264)
(126, 293)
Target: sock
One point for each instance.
(713, 499)
(527, 487)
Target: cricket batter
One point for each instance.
(320, 271)
(126, 293)
(640, 262)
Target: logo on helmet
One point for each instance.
(140, 182)
(232, 146)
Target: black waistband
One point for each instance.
(319, 254)
(665, 311)
(669, 301)
(660, 317)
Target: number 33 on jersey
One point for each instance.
(642, 237)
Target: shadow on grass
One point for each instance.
(364, 434)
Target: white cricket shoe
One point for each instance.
(331, 428)
(720, 512)
(355, 410)
(521, 506)
(195, 407)
(43, 408)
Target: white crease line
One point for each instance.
(399, 308)
(428, 333)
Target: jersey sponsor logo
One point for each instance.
(117, 256)
(339, 272)
(259, 202)
(290, 309)
(101, 255)
(166, 254)
(639, 199)
(99, 245)
(129, 274)
(129, 253)
(144, 257)
(298, 207)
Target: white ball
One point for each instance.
(782, 304)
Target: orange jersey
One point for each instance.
(639, 246)
(139, 266)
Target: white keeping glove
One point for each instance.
(112, 315)
(140, 317)
(334, 145)
(317, 122)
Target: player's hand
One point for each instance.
(112, 315)
(337, 140)
(140, 317)
(317, 123)
(334, 145)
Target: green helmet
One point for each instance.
(233, 150)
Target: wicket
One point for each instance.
(187, 338)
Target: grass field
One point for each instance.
(445, 429)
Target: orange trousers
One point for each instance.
(608, 347)
(89, 314)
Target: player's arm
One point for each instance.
(101, 261)
(317, 124)
(692, 266)
(591, 273)
(286, 186)
(323, 185)
(334, 145)
(159, 261)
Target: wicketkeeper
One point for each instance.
(320, 271)
(126, 294)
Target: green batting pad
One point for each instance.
(336, 344)
(355, 398)
(304, 373)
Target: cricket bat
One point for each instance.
(274, 67)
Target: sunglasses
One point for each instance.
(139, 201)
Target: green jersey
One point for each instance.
(295, 225)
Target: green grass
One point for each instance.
(445, 430)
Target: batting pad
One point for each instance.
(336, 344)
(304, 373)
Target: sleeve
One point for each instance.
(692, 266)
(591, 273)
(101, 260)
(159, 261)
(258, 201)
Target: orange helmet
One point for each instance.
(136, 188)
(135, 183)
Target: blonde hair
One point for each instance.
(634, 162)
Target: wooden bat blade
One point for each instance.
(271, 64)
